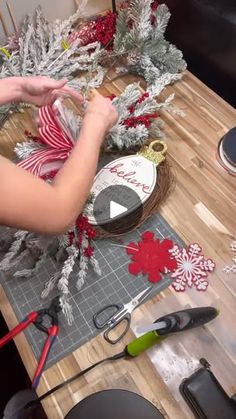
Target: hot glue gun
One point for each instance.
(178, 321)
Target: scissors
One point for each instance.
(120, 313)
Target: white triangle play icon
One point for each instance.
(116, 209)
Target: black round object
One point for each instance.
(114, 404)
(224, 161)
(229, 146)
(15, 408)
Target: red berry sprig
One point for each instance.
(30, 136)
(103, 28)
(50, 175)
(155, 5)
(89, 251)
(84, 228)
(111, 97)
(134, 121)
(145, 120)
(71, 237)
(100, 30)
(82, 223)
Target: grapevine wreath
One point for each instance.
(59, 129)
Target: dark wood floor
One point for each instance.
(13, 374)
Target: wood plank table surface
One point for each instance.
(201, 209)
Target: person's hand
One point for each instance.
(41, 90)
(100, 109)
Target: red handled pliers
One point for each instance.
(37, 318)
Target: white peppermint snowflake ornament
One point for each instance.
(232, 267)
(192, 268)
(233, 246)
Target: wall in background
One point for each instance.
(95, 6)
(53, 9)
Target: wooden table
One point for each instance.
(201, 209)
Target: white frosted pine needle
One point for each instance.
(28, 273)
(14, 249)
(27, 148)
(95, 266)
(67, 309)
(232, 267)
(83, 268)
(18, 259)
(68, 266)
(50, 285)
(233, 246)
(83, 264)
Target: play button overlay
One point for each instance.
(116, 209)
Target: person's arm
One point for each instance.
(29, 203)
(38, 90)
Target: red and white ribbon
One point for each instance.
(58, 144)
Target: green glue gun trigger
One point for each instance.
(178, 321)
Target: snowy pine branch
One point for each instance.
(50, 285)
(43, 50)
(28, 273)
(139, 13)
(27, 148)
(140, 38)
(14, 249)
(167, 78)
(162, 16)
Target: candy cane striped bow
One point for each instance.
(58, 144)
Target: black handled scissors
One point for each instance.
(120, 313)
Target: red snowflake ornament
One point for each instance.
(192, 268)
(150, 257)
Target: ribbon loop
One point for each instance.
(58, 145)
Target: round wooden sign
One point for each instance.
(136, 172)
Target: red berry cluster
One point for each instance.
(134, 121)
(83, 227)
(89, 252)
(50, 175)
(105, 28)
(145, 120)
(143, 97)
(101, 30)
(71, 237)
(82, 223)
(30, 136)
(111, 97)
(155, 5)
(140, 100)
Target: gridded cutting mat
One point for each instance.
(115, 285)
